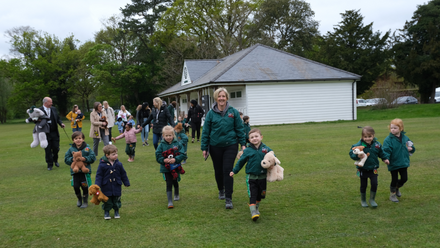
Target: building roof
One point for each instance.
(258, 63)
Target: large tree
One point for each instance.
(354, 47)
(6, 88)
(417, 50)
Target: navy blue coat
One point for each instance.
(110, 177)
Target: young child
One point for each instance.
(78, 117)
(247, 127)
(182, 138)
(255, 174)
(369, 170)
(170, 144)
(120, 124)
(241, 115)
(131, 121)
(186, 124)
(397, 148)
(109, 177)
(130, 139)
(80, 179)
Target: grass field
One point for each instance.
(316, 205)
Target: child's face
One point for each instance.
(394, 129)
(168, 136)
(186, 116)
(368, 138)
(246, 121)
(180, 118)
(241, 116)
(127, 127)
(255, 138)
(78, 111)
(78, 140)
(112, 156)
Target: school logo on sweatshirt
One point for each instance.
(377, 145)
(264, 150)
(175, 148)
(87, 149)
(231, 115)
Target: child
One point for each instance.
(170, 143)
(186, 125)
(131, 121)
(109, 177)
(397, 148)
(255, 174)
(80, 179)
(79, 117)
(247, 128)
(181, 137)
(130, 139)
(369, 170)
(120, 124)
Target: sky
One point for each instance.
(83, 18)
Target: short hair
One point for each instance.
(217, 91)
(245, 118)
(168, 129)
(95, 105)
(174, 103)
(76, 134)
(46, 99)
(129, 124)
(178, 127)
(255, 130)
(398, 122)
(109, 149)
(368, 130)
(240, 113)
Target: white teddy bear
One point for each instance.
(40, 119)
(274, 171)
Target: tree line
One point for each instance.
(141, 50)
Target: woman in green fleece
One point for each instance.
(222, 133)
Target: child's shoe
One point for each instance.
(85, 201)
(255, 215)
(184, 162)
(258, 207)
(221, 194)
(170, 199)
(176, 194)
(228, 203)
(107, 215)
(117, 216)
(364, 200)
(398, 194)
(372, 201)
(393, 197)
(79, 202)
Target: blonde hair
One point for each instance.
(398, 122)
(167, 129)
(157, 100)
(217, 91)
(139, 107)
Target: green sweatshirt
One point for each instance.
(86, 152)
(375, 150)
(163, 146)
(253, 157)
(396, 151)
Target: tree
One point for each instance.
(354, 47)
(6, 88)
(417, 50)
(285, 24)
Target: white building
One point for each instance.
(270, 86)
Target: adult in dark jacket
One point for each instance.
(222, 132)
(142, 115)
(53, 136)
(195, 115)
(159, 118)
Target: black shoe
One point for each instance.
(57, 164)
(107, 215)
(49, 166)
(117, 216)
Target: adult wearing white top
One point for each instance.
(110, 114)
(123, 113)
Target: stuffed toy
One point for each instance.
(360, 150)
(274, 170)
(78, 163)
(173, 168)
(103, 119)
(97, 195)
(40, 119)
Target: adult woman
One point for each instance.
(195, 115)
(161, 118)
(110, 114)
(98, 127)
(222, 132)
(142, 115)
(75, 123)
(123, 113)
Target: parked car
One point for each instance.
(361, 103)
(376, 101)
(437, 95)
(406, 100)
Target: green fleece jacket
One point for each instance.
(247, 129)
(163, 146)
(253, 157)
(396, 151)
(222, 129)
(183, 139)
(86, 152)
(375, 150)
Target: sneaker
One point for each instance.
(146, 143)
(110, 143)
(198, 140)
(221, 195)
(107, 215)
(393, 197)
(398, 194)
(192, 141)
(143, 144)
(228, 203)
(117, 216)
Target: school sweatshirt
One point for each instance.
(396, 151)
(253, 157)
(375, 150)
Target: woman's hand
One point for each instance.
(243, 147)
(231, 174)
(205, 153)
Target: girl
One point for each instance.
(80, 179)
(170, 144)
(130, 139)
(181, 137)
(369, 170)
(397, 148)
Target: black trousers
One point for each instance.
(395, 182)
(364, 175)
(53, 147)
(170, 182)
(223, 160)
(256, 190)
(195, 127)
(80, 181)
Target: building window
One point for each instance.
(184, 100)
(232, 94)
(235, 94)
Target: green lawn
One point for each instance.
(316, 205)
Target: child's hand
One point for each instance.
(172, 160)
(410, 148)
(166, 161)
(231, 174)
(386, 161)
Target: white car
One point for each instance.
(361, 103)
(376, 101)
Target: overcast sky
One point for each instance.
(83, 18)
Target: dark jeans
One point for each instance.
(223, 160)
(104, 138)
(53, 147)
(195, 126)
(364, 175)
(156, 138)
(395, 182)
(256, 190)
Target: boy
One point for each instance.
(109, 177)
(256, 175)
(247, 128)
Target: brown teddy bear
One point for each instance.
(274, 170)
(78, 163)
(98, 196)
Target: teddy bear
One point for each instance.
(40, 119)
(97, 195)
(174, 168)
(272, 164)
(360, 150)
(78, 163)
